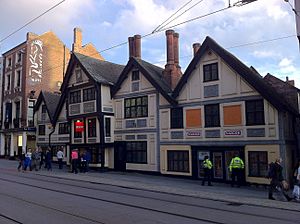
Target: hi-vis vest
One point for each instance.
(207, 164)
(236, 163)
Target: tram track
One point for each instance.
(10, 219)
(143, 197)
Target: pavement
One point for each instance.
(256, 196)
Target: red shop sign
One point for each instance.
(79, 126)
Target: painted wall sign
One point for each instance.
(233, 132)
(79, 126)
(36, 62)
(193, 133)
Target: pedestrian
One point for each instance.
(296, 190)
(83, 163)
(27, 162)
(42, 155)
(74, 158)
(207, 166)
(60, 157)
(36, 157)
(277, 181)
(236, 168)
(48, 159)
(88, 160)
(21, 161)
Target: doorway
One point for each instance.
(120, 156)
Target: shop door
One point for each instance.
(120, 156)
(217, 165)
(201, 155)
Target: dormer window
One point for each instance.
(135, 75)
(210, 72)
(44, 109)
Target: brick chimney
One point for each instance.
(77, 44)
(172, 72)
(291, 82)
(134, 44)
(196, 47)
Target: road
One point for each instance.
(32, 198)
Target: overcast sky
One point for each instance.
(106, 23)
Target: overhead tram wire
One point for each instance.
(152, 33)
(180, 15)
(31, 21)
(158, 27)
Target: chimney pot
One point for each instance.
(170, 46)
(196, 47)
(137, 45)
(176, 49)
(77, 39)
(131, 46)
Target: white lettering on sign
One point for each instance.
(193, 133)
(233, 132)
(36, 61)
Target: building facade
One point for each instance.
(224, 108)
(89, 107)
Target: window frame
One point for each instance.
(210, 115)
(75, 97)
(135, 75)
(136, 152)
(262, 166)
(42, 129)
(177, 159)
(63, 128)
(210, 76)
(107, 126)
(255, 112)
(77, 135)
(130, 109)
(92, 127)
(89, 94)
(176, 118)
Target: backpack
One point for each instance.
(271, 171)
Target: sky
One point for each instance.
(106, 23)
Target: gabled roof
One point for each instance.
(51, 101)
(249, 75)
(101, 71)
(153, 74)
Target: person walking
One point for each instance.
(42, 155)
(36, 157)
(27, 162)
(48, 159)
(74, 158)
(21, 161)
(207, 166)
(275, 174)
(60, 157)
(236, 168)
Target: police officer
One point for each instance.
(236, 168)
(207, 165)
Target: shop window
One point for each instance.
(258, 163)
(232, 115)
(178, 161)
(107, 127)
(136, 107)
(177, 117)
(255, 112)
(135, 75)
(212, 115)
(75, 97)
(136, 152)
(63, 128)
(210, 72)
(193, 118)
(92, 130)
(77, 134)
(89, 94)
(42, 129)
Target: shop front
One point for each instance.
(220, 157)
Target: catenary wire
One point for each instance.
(31, 21)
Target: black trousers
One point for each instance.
(60, 163)
(74, 166)
(207, 176)
(236, 177)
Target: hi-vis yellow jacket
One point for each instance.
(207, 164)
(236, 163)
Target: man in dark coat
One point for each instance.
(275, 173)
